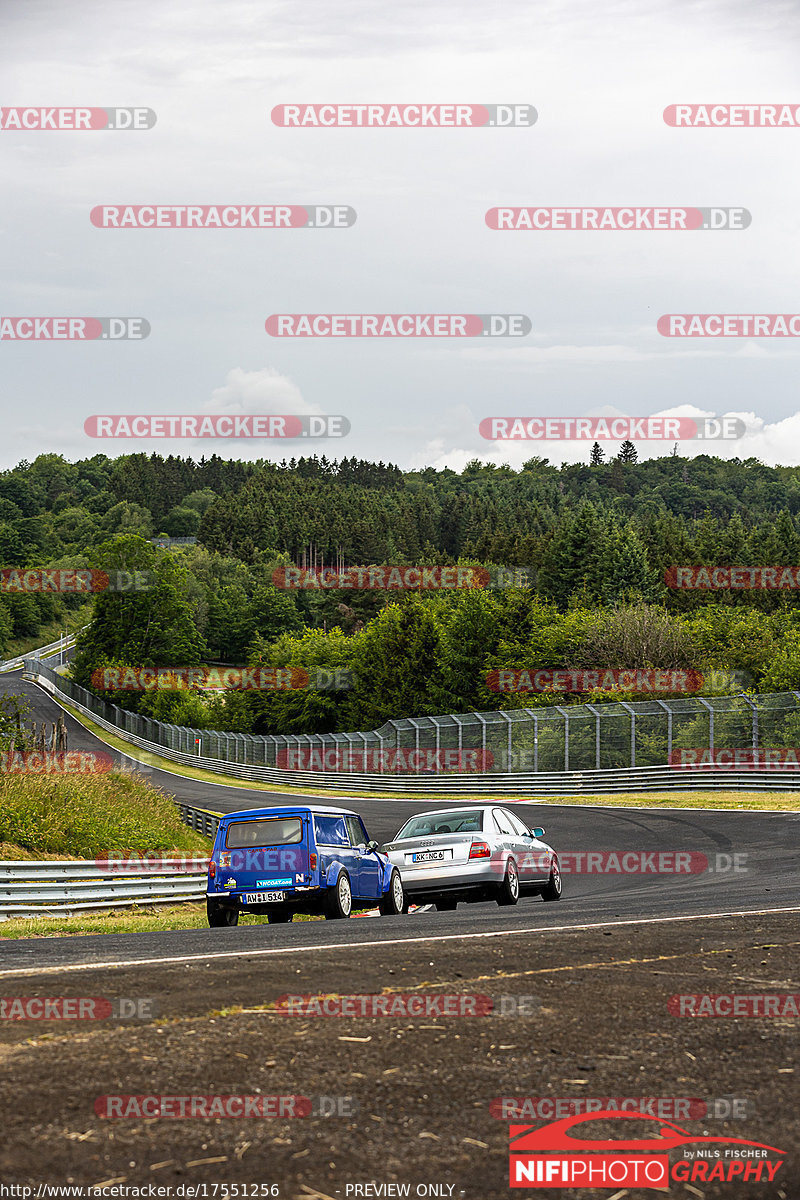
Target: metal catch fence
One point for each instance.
(623, 745)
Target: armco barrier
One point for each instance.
(59, 889)
(202, 820)
(169, 742)
(12, 664)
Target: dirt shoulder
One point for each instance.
(422, 1088)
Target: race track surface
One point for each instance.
(582, 1009)
(741, 862)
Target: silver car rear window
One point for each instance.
(275, 831)
(451, 822)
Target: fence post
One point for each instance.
(483, 741)
(592, 709)
(628, 709)
(535, 718)
(707, 706)
(754, 708)
(508, 744)
(668, 711)
(563, 712)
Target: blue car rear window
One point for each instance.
(277, 831)
(331, 831)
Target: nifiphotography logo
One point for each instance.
(552, 1156)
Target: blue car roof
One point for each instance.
(284, 810)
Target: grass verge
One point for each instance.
(154, 919)
(756, 801)
(82, 816)
(74, 620)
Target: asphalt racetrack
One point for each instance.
(413, 1100)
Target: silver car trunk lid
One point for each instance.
(441, 847)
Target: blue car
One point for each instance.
(298, 859)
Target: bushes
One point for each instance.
(89, 814)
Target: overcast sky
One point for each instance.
(599, 77)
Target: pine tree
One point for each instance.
(570, 561)
(625, 573)
(617, 481)
(597, 456)
(628, 453)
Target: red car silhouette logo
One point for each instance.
(557, 1136)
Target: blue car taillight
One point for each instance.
(312, 862)
(212, 869)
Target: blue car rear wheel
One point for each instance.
(339, 901)
(220, 915)
(393, 903)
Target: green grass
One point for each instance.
(764, 801)
(82, 816)
(72, 621)
(154, 919)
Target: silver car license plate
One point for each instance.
(264, 897)
(428, 856)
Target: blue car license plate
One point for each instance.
(264, 897)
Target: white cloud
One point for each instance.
(599, 77)
(264, 391)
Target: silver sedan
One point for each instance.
(476, 853)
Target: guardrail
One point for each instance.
(202, 820)
(58, 889)
(610, 781)
(12, 664)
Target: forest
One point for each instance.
(585, 552)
